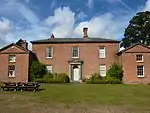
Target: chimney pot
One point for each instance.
(52, 36)
(85, 30)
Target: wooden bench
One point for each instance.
(9, 85)
(29, 85)
(20, 86)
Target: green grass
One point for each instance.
(135, 98)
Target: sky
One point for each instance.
(38, 19)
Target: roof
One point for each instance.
(120, 52)
(12, 44)
(74, 40)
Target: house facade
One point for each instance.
(14, 62)
(78, 57)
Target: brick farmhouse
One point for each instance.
(77, 57)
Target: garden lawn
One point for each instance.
(78, 98)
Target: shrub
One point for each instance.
(37, 70)
(95, 81)
(115, 71)
(95, 76)
(39, 80)
(114, 81)
(54, 78)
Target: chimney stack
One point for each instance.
(85, 30)
(24, 44)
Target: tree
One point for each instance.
(138, 30)
(115, 72)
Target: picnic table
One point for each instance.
(20, 86)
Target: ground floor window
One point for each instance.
(140, 71)
(49, 68)
(11, 70)
(103, 70)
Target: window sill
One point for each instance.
(139, 61)
(11, 76)
(102, 58)
(141, 76)
(75, 57)
(12, 61)
(49, 57)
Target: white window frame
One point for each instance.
(9, 70)
(73, 50)
(137, 71)
(139, 60)
(102, 70)
(47, 50)
(102, 51)
(12, 60)
(49, 68)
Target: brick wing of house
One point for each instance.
(135, 63)
(78, 57)
(14, 62)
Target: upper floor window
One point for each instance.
(49, 68)
(102, 52)
(139, 58)
(49, 52)
(75, 52)
(103, 70)
(11, 71)
(140, 71)
(12, 58)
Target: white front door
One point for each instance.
(76, 74)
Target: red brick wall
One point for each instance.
(89, 53)
(21, 65)
(130, 65)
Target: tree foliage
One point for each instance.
(138, 30)
(37, 70)
(115, 72)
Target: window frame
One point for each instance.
(47, 50)
(104, 52)
(51, 68)
(77, 52)
(139, 60)
(138, 75)
(13, 70)
(104, 66)
(10, 59)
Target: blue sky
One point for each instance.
(38, 19)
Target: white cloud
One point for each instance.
(147, 6)
(5, 26)
(102, 26)
(62, 22)
(81, 15)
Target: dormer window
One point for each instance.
(139, 58)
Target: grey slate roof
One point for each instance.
(75, 40)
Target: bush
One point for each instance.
(95, 76)
(114, 81)
(37, 70)
(115, 71)
(95, 81)
(54, 78)
(39, 80)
